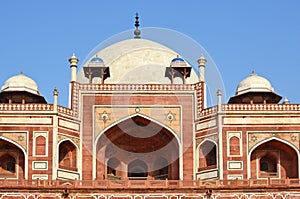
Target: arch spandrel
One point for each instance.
(17, 137)
(106, 117)
(212, 138)
(62, 137)
(254, 138)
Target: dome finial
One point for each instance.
(55, 92)
(252, 72)
(137, 32)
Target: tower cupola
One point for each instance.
(96, 68)
(178, 68)
(73, 65)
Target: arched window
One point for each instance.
(268, 166)
(207, 156)
(264, 166)
(137, 169)
(40, 145)
(67, 156)
(234, 146)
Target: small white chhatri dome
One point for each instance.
(254, 83)
(254, 90)
(20, 83)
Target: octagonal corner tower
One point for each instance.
(136, 61)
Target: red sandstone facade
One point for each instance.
(134, 140)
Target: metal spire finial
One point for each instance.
(137, 32)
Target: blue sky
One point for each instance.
(37, 37)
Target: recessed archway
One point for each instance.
(274, 159)
(138, 138)
(12, 161)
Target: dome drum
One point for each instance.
(256, 98)
(21, 97)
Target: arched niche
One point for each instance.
(67, 156)
(12, 161)
(207, 153)
(137, 138)
(274, 159)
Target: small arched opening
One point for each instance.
(113, 171)
(137, 169)
(207, 155)
(268, 165)
(67, 156)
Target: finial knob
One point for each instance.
(202, 61)
(73, 60)
(137, 32)
(286, 101)
(55, 92)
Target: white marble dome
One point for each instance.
(136, 61)
(20, 83)
(254, 83)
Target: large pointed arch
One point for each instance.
(273, 138)
(137, 137)
(22, 158)
(271, 156)
(132, 116)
